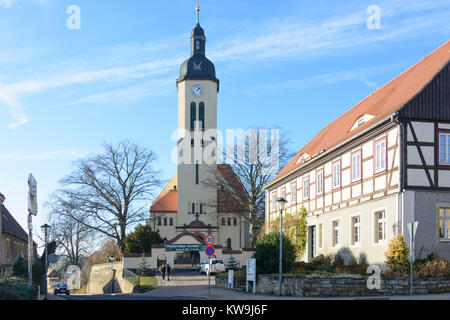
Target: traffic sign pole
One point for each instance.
(209, 252)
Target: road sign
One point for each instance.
(210, 239)
(32, 195)
(184, 247)
(209, 251)
(413, 226)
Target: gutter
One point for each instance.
(400, 192)
(331, 150)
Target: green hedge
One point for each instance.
(15, 288)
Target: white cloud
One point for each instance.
(290, 38)
(50, 155)
(321, 79)
(9, 184)
(8, 3)
(15, 109)
(128, 94)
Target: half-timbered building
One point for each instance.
(381, 165)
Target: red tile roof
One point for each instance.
(381, 104)
(166, 203)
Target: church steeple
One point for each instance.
(198, 66)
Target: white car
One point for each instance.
(217, 266)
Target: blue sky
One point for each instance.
(294, 64)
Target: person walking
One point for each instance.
(163, 271)
(168, 271)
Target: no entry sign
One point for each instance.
(209, 251)
(210, 239)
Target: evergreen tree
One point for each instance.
(232, 263)
(142, 271)
(141, 239)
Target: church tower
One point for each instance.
(197, 120)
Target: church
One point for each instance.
(203, 197)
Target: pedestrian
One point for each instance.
(163, 271)
(168, 271)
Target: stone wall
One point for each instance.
(336, 285)
(108, 278)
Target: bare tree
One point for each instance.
(72, 236)
(111, 190)
(256, 158)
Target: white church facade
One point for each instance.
(195, 202)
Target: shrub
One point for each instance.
(435, 267)
(323, 263)
(268, 251)
(397, 255)
(20, 267)
(38, 271)
(15, 288)
(338, 260)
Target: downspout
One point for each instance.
(400, 193)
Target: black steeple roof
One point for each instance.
(198, 66)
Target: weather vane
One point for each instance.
(198, 11)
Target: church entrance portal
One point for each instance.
(187, 260)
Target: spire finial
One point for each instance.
(198, 11)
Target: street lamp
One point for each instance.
(46, 230)
(281, 204)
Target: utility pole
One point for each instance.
(32, 211)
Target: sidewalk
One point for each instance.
(185, 285)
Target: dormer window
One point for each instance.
(361, 120)
(303, 157)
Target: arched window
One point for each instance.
(223, 221)
(235, 221)
(159, 221)
(193, 115)
(165, 221)
(229, 244)
(201, 113)
(171, 221)
(229, 221)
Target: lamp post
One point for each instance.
(281, 203)
(46, 230)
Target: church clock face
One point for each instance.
(197, 90)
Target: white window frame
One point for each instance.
(294, 193)
(446, 219)
(337, 175)
(356, 167)
(380, 156)
(274, 202)
(357, 224)
(446, 160)
(335, 229)
(306, 188)
(319, 179)
(377, 221)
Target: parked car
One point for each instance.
(217, 266)
(61, 287)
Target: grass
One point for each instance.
(82, 290)
(145, 284)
